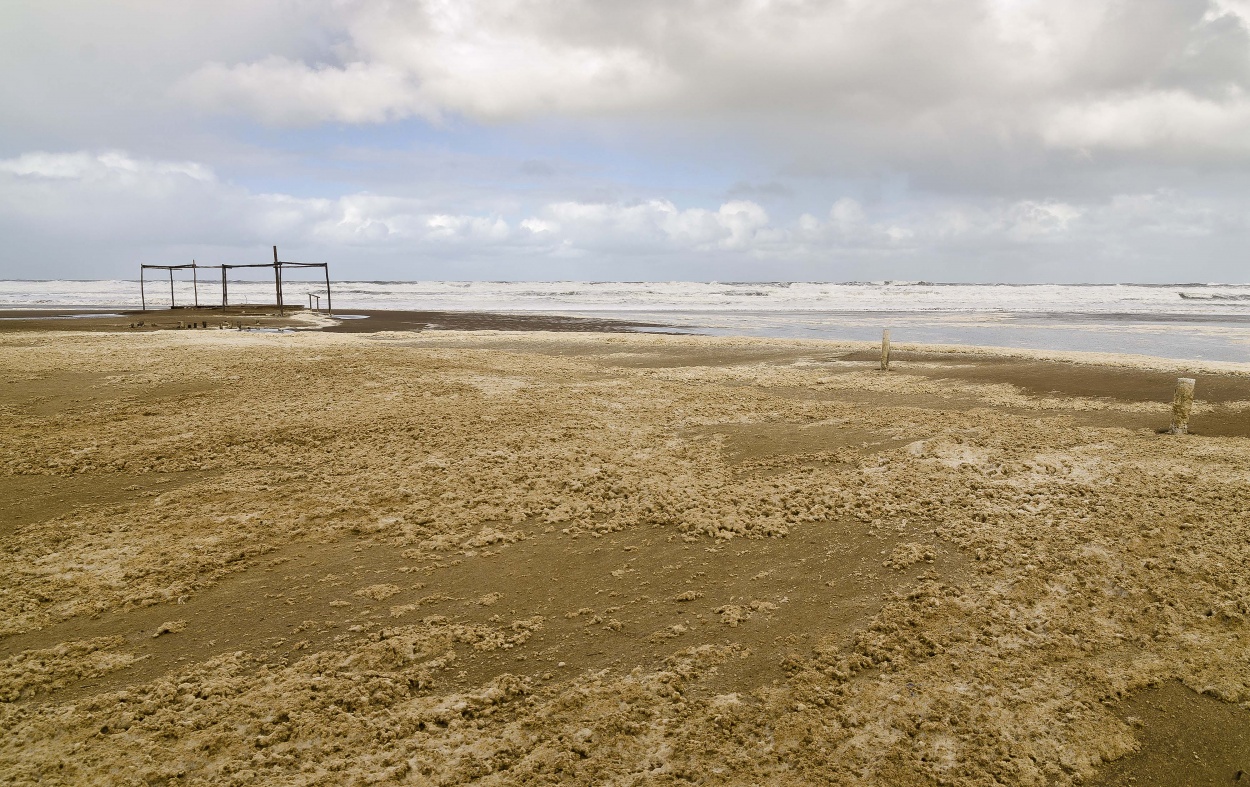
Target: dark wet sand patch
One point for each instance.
(353, 321)
(613, 601)
(1221, 422)
(64, 392)
(30, 499)
(745, 442)
(394, 320)
(1184, 739)
(1061, 378)
(258, 316)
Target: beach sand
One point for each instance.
(259, 316)
(445, 557)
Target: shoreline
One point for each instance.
(351, 321)
(378, 320)
(419, 321)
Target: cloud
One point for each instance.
(278, 91)
(1167, 120)
(108, 195)
(749, 190)
(1064, 73)
(486, 60)
(107, 166)
(179, 207)
(657, 227)
(776, 134)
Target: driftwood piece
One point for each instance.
(1182, 405)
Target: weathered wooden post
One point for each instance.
(143, 301)
(329, 303)
(885, 350)
(1182, 405)
(223, 289)
(277, 278)
(195, 284)
(171, 288)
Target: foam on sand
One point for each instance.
(569, 558)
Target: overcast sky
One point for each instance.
(966, 140)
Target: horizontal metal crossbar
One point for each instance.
(250, 265)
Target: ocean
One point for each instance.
(1180, 321)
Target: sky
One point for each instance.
(711, 140)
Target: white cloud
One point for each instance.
(659, 225)
(107, 166)
(487, 60)
(1222, 8)
(114, 197)
(589, 130)
(538, 225)
(503, 59)
(1066, 73)
(1028, 219)
(846, 216)
(108, 194)
(1170, 119)
(278, 91)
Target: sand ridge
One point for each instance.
(530, 558)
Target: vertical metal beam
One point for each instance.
(329, 304)
(277, 278)
(224, 301)
(195, 284)
(171, 288)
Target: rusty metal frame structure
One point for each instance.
(277, 265)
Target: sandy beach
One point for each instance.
(563, 554)
(353, 321)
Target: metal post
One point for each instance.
(277, 278)
(171, 288)
(143, 301)
(329, 304)
(195, 284)
(223, 289)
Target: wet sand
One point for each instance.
(379, 320)
(260, 316)
(444, 557)
(96, 320)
